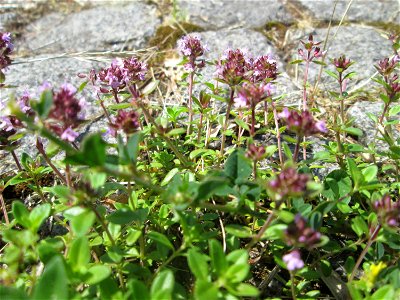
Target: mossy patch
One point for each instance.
(167, 36)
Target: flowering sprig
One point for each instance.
(388, 211)
(264, 69)
(293, 260)
(192, 48)
(6, 48)
(66, 112)
(299, 234)
(310, 51)
(302, 124)
(234, 67)
(120, 74)
(127, 121)
(288, 183)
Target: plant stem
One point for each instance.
(189, 129)
(266, 112)
(296, 149)
(292, 287)
(40, 148)
(160, 131)
(4, 208)
(253, 120)
(115, 94)
(278, 133)
(16, 160)
(364, 252)
(103, 224)
(305, 103)
(263, 228)
(200, 128)
(225, 127)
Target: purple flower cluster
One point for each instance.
(388, 211)
(66, 112)
(250, 94)
(293, 260)
(311, 50)
(289, 183)
(127, 121)
(6, 47)
(342, 63)
(233, 67)
(191, 47)
(120, 74)
(264, 69)
(386, 66)
(302, 124)
(299, 234)
(255, 153)
(236, 66)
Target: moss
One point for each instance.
(167, 36)
(388, 27)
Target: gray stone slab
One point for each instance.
(362, 44)
(216, 14)
(127, 25)
(359, 112)
(359, 11)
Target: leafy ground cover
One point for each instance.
(186, 202)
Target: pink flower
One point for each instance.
(191, 47)
(128, 121)
(233, 67)
(69, 135)
(264, 68)
(303, 124)
(293, 260)
(288, 183)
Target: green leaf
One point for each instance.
(218, 259)
(138, 291)
(359, 226)
(176, 131)
(332, 74)
(79, 253)
(21, 214)
(162, 286)
(297, 61)
(384, 292)
(148, 89)
(198, 264)
(355, 173)
(82, 221)
(12, 293)
(43, 106)
(169, 176)
(246, 290)
(238, 230)
(160, 238)
(38, 215)
(237, 166)
(92, 153)
(210, 187)
(336, 185)
(369, 173)
(205, 290)
(201, 152)
(133, 146)
(119, 106)
(239, 268)
(353, 131)
(96, 274)
(122, 216)
(395, 110)
(53, 284)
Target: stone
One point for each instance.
(216, 14)
(122, 26)
(359, 11)
(359, 112)
(362, 44)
